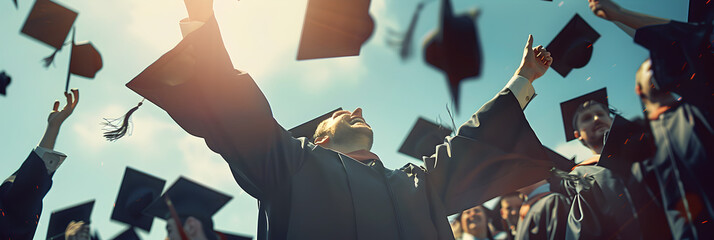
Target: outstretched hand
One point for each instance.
(535, 61)
(605, 9)
(57, 117)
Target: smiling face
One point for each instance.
(592, 121)
(345, 128)
(474, 220)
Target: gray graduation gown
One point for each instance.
(309, 192)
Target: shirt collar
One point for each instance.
(363, 155)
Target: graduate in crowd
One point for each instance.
(21, 194)
(680, 63)
(510, 209)
(601, 199)
(476, 224)
(330, 175)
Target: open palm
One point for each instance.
(57, 117)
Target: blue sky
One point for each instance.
(262, 38)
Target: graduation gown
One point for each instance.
(21, 199)
(607, 209)
(682, 58)
(309, 192)
(545, 218)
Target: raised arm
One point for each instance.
(21, 194)
(611, 11)
(196, 84)
(496, 151)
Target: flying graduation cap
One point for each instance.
(335, 28)
(61, 218)
(137, 191)
(128, 234)
(50, 23)
(189, 198)
(4, 82)
(228, 236)
(308, 128)
(423, 138)
(454, 48)
(569, 107)
(573, 46)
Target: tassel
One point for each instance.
(118, 127)
(50, 59)
(453, 124)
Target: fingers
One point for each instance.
(529, 44)
(55, 108)
(75, 92)
(69, 100)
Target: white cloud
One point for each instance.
(574, 148)
(203, 165)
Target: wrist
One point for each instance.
(526, 73)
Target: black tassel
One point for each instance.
(118, 127)
(50, 59)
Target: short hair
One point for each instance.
(514, 194)
(321, 130)
(586, 105)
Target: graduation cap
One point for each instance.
(627, 142)
(128, 234)
(559, 162)
(85, 60)
(454, 48)
(60, 219)
(335, 28)
(49, 23)
(307, 129)
(137, 191)
(4, 82)
(423, 138)
(569, 107)
(701, 11)
(228, 236)
(189, 199)
(573, 46)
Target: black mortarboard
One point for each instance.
(61, 218)
(627, 142)
(4, 82)
(423, 138)
(189, 199)
(559, 162)
(701, 11)
(129, 234)
(573, 46)
(49, 22)
(569, 107)
(307, 129)
(137, 191)
(228, 236)
(335, 28)
(454, 48)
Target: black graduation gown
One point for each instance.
(682, 57)
(309, 192)
(21, 199)
(545, 219)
